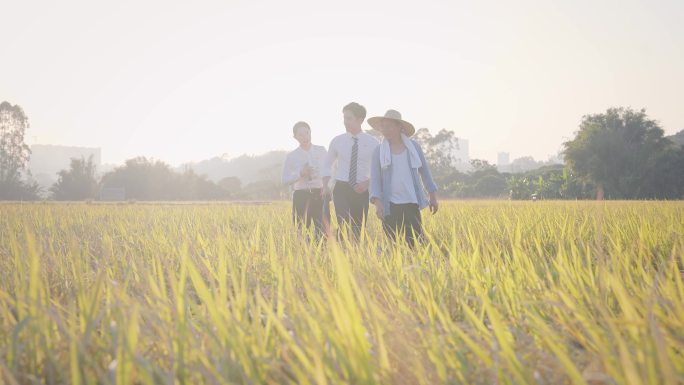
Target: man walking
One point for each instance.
(302, 169)
(352, 151)
(400, 176)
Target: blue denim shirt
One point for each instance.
(381, 180)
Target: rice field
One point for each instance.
(500, 293)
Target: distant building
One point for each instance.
(47, 160)
(503, 161)
(462, 155)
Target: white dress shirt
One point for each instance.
(295, 162)
(340, 150)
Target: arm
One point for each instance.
(375, 188)
(425, 174)
(328, 161)
(426, 177)
(363, 186)
(321, 161)
(290, 175)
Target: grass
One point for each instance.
(502, 292)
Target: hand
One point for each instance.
(306, 171)
(361, 187)
(379, 211)
(325, 191)
(433, 203)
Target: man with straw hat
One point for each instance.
(399, 177)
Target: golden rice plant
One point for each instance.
(500, 292)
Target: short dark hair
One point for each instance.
(358, 110)
(300, 124)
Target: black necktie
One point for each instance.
(354, 160)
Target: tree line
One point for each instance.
(618, 154)
(148, 179)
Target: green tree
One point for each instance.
(523, 164)
(232, 186)
(77, 183)
(520, 187)
(490, 186)
(666, 177)
(677, 138)
(14, 154)
(439, 149)
(481, 165)
(551, 182)
(263, 190)
(612, 150)
(146, 179)
(191, 186)
(143, 179)
(440, 153)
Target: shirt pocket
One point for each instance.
(366, 152)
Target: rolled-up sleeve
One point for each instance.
(329, 160)
(425, 174)
(321, 161)
(289, 174)
(375, 188)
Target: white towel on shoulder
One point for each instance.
(386, 153)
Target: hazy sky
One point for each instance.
(185, 82)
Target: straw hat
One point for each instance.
(406, 127)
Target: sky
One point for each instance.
(187, 81)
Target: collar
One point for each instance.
(350, 135)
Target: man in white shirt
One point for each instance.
(352, 151)
(302, 170)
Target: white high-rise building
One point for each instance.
(462, 155)
(503, 161)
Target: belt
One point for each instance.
(345, 182)
(337, 181)
(310, 190)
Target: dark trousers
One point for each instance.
(351, 208)
(404, 219)
(308, 208)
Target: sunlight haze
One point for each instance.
(189, 81)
